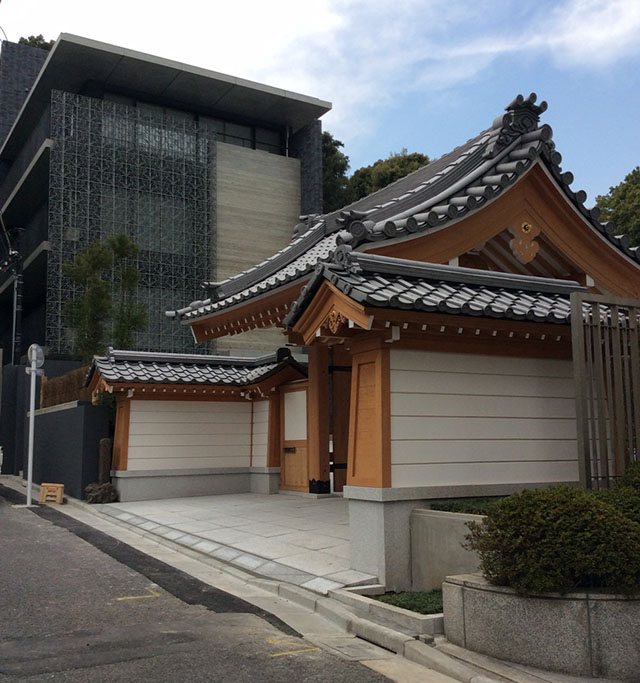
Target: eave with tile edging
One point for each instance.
(161, 376)
(483, 194)
(419, 305)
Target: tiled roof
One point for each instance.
(386, 282)
(174, 368)
(449, 188)
(293, 270)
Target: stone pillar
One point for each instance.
(381, 535)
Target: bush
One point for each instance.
(558, 539)
(623, 498)
(631, 478)
(468, 506)
(423, 602)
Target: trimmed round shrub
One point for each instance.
(631, 478)
(557, 539)
(624, 498)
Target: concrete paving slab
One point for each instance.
(189, 540)
(310, 541)
(195, 526)
(250, 562)
(351, 577)
(206, 546)
(224, 553)
(264, 529)
(269, 548)
(318, 563)
(320, 585)
(227, 536)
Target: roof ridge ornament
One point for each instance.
(344, 258)
(307, 222)
(523, 116)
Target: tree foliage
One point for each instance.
(383, 172)
(106, 310)
(622, 205)
(335, 165)
(37, 41)
(128, 316)
(340, 190)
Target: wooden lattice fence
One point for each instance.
(63, 389)
(606, 359)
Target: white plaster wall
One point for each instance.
(260, 433)
(461, 419)
(168, 435)
(295, 415)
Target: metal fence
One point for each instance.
(606, 359)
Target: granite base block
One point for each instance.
(584, 634)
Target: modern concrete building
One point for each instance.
(206, 172)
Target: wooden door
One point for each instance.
(294, 468)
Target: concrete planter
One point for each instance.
(436, 547)
(410, 622)
(587, 634)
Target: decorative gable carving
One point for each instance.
(523, 244)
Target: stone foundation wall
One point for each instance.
(585, 634)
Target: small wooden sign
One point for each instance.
(52, 493)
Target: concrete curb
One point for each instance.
(404, 619)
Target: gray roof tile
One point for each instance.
(393, 283)
(174, 368)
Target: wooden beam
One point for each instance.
(274, 440)
(318, 419)
(341, 395)
(121, 436)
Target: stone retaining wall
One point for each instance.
(588, 634)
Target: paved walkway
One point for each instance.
(285, 537)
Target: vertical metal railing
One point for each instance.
(606, 360)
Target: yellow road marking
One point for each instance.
(295, 652)
(152, 594)
(282, 641)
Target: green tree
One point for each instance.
(622, 205)
(89, 314)
(368, 179)
(105, 311)
(128, 316)
(335, 165)
(37, 41)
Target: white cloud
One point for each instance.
(364, 55)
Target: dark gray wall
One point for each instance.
(14, 407)
(19, 68)
(66, 443)
(306, 145)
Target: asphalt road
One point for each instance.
(77, 605)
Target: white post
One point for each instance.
(32, 410)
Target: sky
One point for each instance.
(421, 75)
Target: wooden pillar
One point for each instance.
(341, 394)
(121, 436)
(370, 417)
(274, 443)
(318, 419)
